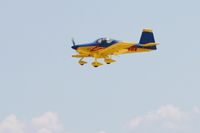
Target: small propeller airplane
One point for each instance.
(105, 48)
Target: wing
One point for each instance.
(80, 55)
(115, 48)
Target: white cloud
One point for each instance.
(167, 116)
(136, 122)
(11, 125)
(196, 109)
(46, 123)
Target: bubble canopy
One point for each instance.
(104, 40)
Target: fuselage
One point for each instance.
(93, 48)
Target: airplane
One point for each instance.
(106, 48)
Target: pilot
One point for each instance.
(104, 40)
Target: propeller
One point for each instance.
(73, 42)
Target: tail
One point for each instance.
(147, 39)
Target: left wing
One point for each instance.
(80, 55)
(115, 48)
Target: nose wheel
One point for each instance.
(96, 63)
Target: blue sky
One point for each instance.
(43, 87)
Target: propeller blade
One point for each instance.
(73, 42)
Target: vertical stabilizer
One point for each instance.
(147, 37)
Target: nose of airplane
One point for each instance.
(74, 47)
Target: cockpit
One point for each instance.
(104, 41)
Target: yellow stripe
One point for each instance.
(147, 30)
(150, 44)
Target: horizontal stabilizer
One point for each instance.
(150, 44)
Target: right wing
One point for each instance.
(115, 48)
